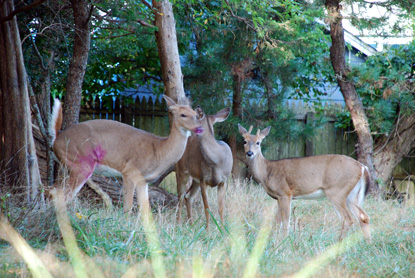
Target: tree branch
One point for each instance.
(129, 33)
(20, 10)
(147, 4)
(248, 22)
(144, 23)
(250, 25)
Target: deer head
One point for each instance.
(252, 143)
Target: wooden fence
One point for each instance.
(327, 140)
(150, 114)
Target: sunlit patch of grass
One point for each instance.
(112, 244)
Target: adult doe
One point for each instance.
(138, 155)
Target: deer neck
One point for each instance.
(209, 147)
(173, 146)
(258, 167)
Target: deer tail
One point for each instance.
(56, 120)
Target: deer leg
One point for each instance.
(142, 197)
(221, 197)
(78, 175)
(205, 202)
(134, 181)
(128, 194)
(189, 199)
(343, 212)
(284, 213)
(181, 190)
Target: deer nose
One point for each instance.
(249, 153)
(198, 130)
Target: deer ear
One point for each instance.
(169, 101)
(222, 115)
(184, 101)
(200, 113)
(265, 132)
(242, 130)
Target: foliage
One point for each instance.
(386, 84)
(400, 11)
(46, 33)
(343, 120)
(275, 48)
(123, 52)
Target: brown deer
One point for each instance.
(343, 180)
(138, 155)
(207, 161)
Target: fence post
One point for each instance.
(126, 111)
(309, 144)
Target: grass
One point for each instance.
(98, 242)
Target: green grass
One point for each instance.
(111, 244)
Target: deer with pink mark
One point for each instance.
(139, 156)
(341, 179)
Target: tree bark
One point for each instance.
(364, 147)
(168, 50)
(82, 14)
(390, 151)
(236, 112)
(18, 160)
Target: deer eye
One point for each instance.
(244, 142)
(257, 143)
(183, 115)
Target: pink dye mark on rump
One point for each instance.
(86, 164)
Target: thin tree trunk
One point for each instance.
(19, 166)
(364, 148)
(168, 50)
(236, 112)
(82, 14)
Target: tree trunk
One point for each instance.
(390, 151)
(18, 161)
(82, 14)
(364, 148)
(236, 112)
(168, 50)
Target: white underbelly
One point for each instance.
(318, 194)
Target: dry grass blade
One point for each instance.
(69, 239)
(36, 266)
(153, 241)
(261, 241)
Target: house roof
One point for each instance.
(359, 44)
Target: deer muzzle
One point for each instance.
(198, 130)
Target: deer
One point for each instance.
(139, 156)
(205, 162)
(341, 179)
